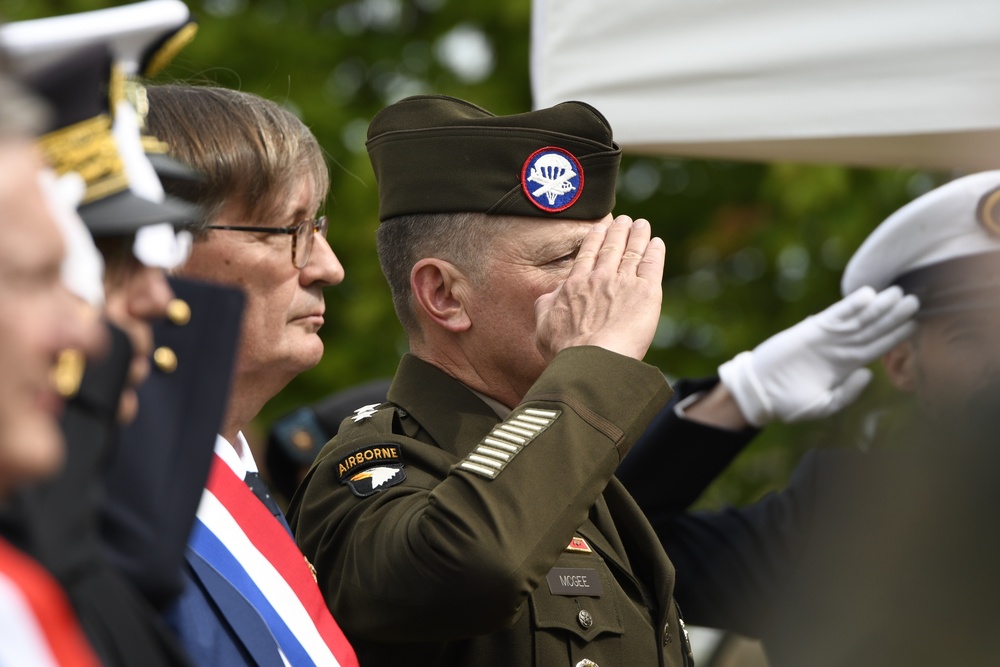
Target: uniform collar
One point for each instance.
(447, 410)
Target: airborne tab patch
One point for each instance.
(371, 469)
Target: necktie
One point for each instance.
(260, 490)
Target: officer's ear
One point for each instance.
(440, 292)
(900, 365)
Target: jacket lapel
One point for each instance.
(649, 562)
(244, 621)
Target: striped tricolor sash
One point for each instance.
(37, 625)
(247, 545)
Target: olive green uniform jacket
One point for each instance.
(433, 526)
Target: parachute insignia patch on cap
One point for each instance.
(552, 178)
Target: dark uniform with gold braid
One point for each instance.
(445, 534)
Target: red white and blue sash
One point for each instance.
(245, 543)
(37, 625)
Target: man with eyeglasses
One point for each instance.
(304, 231)
(251, 598)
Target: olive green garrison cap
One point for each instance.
(438, 154)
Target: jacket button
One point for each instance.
(179, 312)
(587, 663)
(165, 359)
(585, 619)
(68, 372)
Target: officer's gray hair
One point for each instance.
(252, 151)
(463, 239)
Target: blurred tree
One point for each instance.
(751, 248)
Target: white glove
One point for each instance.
(816, 367)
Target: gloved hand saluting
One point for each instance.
(816, 367)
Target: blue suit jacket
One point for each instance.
(217, 625)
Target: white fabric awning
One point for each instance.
(862, 82)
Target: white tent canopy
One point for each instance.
(863, 82)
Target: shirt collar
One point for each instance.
(236, 455)
(502, 410)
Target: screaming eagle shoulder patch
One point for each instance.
(371, 469)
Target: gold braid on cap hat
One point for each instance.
(139, 99)
(988, 211)
(136, 92)
(89, 149)
(151, 144)
(170, 48)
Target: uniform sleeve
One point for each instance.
(676, 459)
(732, 564)
(154, 478)
(456, 549)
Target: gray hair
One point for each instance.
(464, 239)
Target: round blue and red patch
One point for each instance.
(552, 178)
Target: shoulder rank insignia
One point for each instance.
(371, 469)
(365, 411)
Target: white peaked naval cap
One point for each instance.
(131, 31)
(956, 223)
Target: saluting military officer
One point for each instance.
(849, 561)
(474, 518)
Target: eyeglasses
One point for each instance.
(304, 232)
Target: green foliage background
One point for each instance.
(751, 248)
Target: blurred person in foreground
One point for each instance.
(143, 463)
(250, 596)
(884, 557)
(111, 525)
(39, 319)
(473, 518)
(57, 521)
